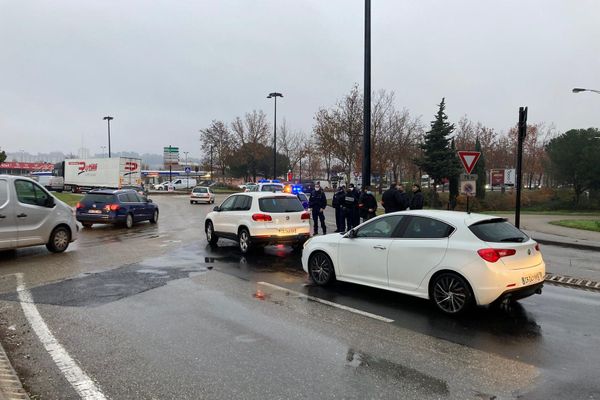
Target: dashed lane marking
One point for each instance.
(83, 384)
(329, 303)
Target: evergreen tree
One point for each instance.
(453, 180)
(439, 161)
(2, 156)
(480, 171)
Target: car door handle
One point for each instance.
(380, 247)
(22, 215)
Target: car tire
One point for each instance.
(154, 218)
(191, 202)
(450, 293)
(87, 224)
(59, 240)
(129, 221)
(320, 268)
(211, 237)
(244, 241)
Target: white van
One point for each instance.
(183, 183)
(31, 216)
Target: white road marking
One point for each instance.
(329, 303)
(83, 384)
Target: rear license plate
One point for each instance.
(287, 230)
(95, 211)
(527, 280)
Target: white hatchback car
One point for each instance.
(202, 194)
(259, 219)
(30, 216)
(453, 258)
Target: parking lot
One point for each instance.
(154, 312)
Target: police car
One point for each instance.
(266, 185)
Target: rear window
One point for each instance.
(280, 204)
(302, 197)
(271, 188)
(498, 230)
(99, 198)
(200, 190)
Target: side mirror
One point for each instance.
(351, 234)
(148, 200)
(50, 202)
(217, 209)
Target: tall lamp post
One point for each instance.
(366, 167)
(187, 181)
(108, 118)
(579, 90)
(274, 96)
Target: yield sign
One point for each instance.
(469, 159)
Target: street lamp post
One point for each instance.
(366, 167)
(108, 118)
(274, 96)
(187, 180)
(579, 90)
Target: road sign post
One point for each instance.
(468, 185)
(519, 176)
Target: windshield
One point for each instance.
(280, 204)
(200, 190)
(271, 188)
(498, 230)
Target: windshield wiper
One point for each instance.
(513, 239)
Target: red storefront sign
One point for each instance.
(497, 177)
(27, 166)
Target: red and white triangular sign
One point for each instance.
(469, 159)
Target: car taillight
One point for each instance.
(112, 207)
(305, 215)
(79, 205)
(493, 255)
(537, 247)
(262, 217)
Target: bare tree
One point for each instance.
(218, 139)
(252, 129)
(290, 144)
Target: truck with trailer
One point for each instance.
(82, 175)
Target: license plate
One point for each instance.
(526, 280)
(287, 230)
(95, 211)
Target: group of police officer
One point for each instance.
(351, 205)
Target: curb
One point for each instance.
(569, 281)
(568, 244)
(10, 385)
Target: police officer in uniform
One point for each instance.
(317, 202)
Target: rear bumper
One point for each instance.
(101, 218)
(275, 239)
(522, 292)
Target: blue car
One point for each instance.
(108, 206)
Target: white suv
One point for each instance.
(259, 219)
(265, 187)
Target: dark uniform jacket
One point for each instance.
(317, 200)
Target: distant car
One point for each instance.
(138, 188)
(267, 187)
(258, 219)
(452, 258)
(202, 194)
(244, 185)
(303, 199)
(31, 216)
(107, 206)
(161, 186)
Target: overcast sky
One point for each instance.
(165, 69)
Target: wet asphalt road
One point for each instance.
(154, 313)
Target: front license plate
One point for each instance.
(95, 211)
(527, 280)
(287, 230)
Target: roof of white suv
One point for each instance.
(259, 195)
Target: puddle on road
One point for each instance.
(380, 367)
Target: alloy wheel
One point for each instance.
(450, 294)
(321, 270)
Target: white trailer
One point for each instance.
(91, 173)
